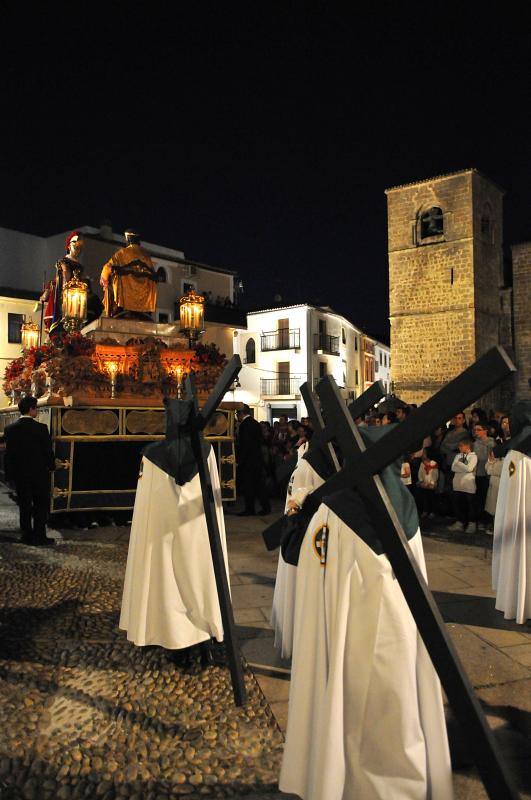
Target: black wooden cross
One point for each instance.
(357, 408)
(198, 420)
(321, 456)
(360, 471)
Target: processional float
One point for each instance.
(360, 470)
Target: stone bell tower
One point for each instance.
(447, 304)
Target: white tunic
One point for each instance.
(511, 556)
(304, 477)
(170, 597)
(366, 719)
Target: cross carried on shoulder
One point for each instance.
(360, 472)
(197, 421)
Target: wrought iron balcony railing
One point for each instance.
(282, 339)
(272, 387)
(328, 344)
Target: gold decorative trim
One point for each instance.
(57, 492)
(230, 484)
(228, 459)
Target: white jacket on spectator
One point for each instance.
(494, 469)
(431, 477)
(464, 469)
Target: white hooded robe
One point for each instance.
(511, 553)
(170, 597)
(366, 718)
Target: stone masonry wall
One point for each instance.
(431, 287)
(522, 317)
(445, 304)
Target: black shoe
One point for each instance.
(246, 514)
(45, 542)
(206, 651)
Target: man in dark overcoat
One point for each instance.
(29, 460)
(251, 472)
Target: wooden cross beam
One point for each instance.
(360, 471)
(198, 420)
(320, 447)
(357, 408)
(491, 368)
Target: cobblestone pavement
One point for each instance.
(85, 714)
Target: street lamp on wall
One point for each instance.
(192, 315)
(74, 304)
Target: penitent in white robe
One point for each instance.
(170, 597)
(366, 718)
(304, 478)
(511, 555)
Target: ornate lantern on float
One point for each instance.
(74, 304)
(192, 315)
(111, 367)
(29, 333)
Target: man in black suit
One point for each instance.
(29, 459)
(251, 470)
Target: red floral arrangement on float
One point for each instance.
(18, 374)
(73, 344)
(208, 355)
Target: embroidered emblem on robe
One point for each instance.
(320, 543)
(512, 469)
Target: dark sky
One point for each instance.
(259, 137)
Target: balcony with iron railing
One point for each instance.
(282, 386)
(281, 339)
(326, 344)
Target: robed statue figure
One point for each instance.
(129, 280)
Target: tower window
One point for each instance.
(161, 275)
(431, 223)
(250, 351)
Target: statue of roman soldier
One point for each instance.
(66, 268)
(129, 280)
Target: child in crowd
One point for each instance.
(426, 486)
(483, 445)
(464, 487)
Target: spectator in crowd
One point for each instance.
(281, 429)
(29, 460)
(493, 468)
(464, 486)
(483, 445)
(504, 425)
(449, 446)
(405, 474)
(477, 415)
(251, 469)
(428, 479)
(389, 418)
(402, 413)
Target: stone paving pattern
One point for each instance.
(111, 720)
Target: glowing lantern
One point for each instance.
(29, 332)
(74, 304)
(112, 368)
(192, 315)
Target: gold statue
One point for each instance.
(129, 280)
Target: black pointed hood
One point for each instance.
(175, 454)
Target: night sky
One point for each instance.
(259, 137)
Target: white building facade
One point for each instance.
(27, 263)
(382, 365)
(286, 346)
